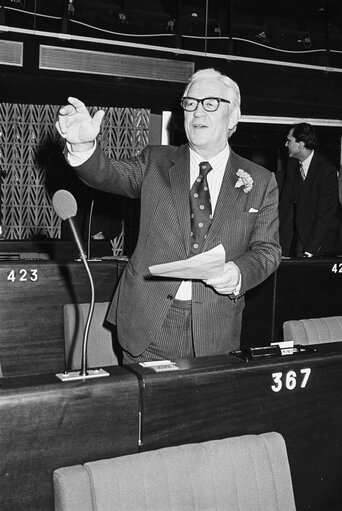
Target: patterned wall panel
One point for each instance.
(28, 144)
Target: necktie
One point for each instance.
(301, 168)
(200, 209)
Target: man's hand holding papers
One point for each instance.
(208, 266)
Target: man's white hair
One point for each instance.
(228, 82)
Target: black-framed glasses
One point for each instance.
(209, 104)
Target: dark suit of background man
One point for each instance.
(309, 205)
(159, 318)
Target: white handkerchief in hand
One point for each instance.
(252, 210)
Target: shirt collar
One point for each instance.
(223, 155)
(307, 161)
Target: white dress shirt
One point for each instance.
(214, 178)
(306, 163)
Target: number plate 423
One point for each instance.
(23, 275)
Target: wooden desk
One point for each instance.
(55, 249)
(307, 289)
(32, 295)
(299, 289)
(217, 397)
(47, 424)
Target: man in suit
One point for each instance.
(160, 318)
(309, 204)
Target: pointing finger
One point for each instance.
(76, 103)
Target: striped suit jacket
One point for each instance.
(160, 177)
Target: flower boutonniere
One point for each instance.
(244, 180)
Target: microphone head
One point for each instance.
(64, 203)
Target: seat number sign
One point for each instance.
(23, 275)
(290, 380)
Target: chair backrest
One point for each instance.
(313, 331)
(100, 339)
(246, 473)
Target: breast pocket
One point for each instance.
(238, 229)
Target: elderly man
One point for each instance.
(232, 202)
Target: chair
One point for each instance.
(100, 339)
(245, 473)
(313, 331)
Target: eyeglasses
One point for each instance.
(209, 104)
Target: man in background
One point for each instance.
(309, 204)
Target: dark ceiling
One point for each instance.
(306, 34)
(292, 25)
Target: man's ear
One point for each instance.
(233, 119)
(232, 131)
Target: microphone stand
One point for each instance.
(89, 317)
(85, 372)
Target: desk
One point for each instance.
(47, 424)
(32, 295)
(216, 397)
(51, 248)
(307, 289)
(31, 334)
(299, 289)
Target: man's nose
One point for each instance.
(199, 110)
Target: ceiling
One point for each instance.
(239, 37)
(293, 25)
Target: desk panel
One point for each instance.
(46, 424)
(258, 314)
(307, 289)
(32, 295)
(52, 248)
(217, 397)
(32, 338)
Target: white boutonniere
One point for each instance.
(244, 180)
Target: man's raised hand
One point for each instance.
(76, 125)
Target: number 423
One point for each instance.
(23, 275)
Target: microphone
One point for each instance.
(65, 205)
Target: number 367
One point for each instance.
(290, 380)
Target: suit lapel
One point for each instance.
(311, 171)
(179, 174)
(227, 197)
(303, 187)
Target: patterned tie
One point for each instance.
(200, 209)
(301, 168)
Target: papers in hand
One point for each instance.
(202, 266)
